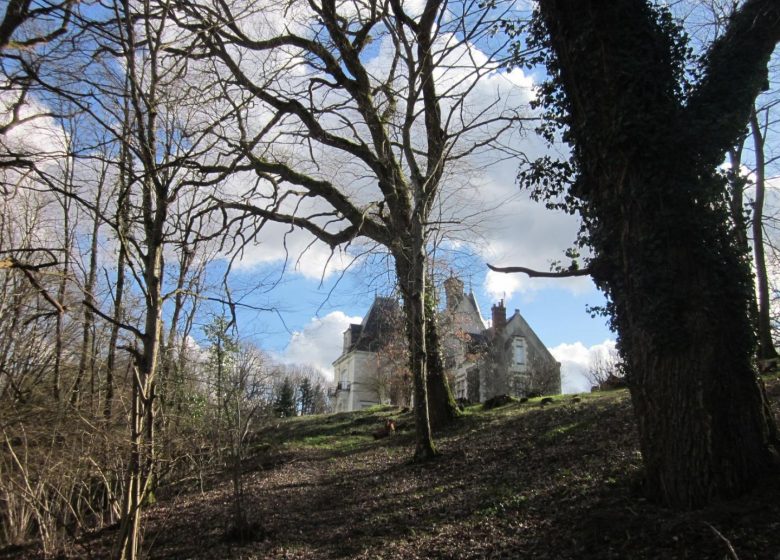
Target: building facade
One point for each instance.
(358, 375)
(505, 358)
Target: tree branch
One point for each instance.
(27, 270)
(540, 274)
(735, 73)
(125, 326)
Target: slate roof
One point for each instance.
(378, 326)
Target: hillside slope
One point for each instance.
(522, 481)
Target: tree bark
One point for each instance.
(59, 347)
(145, 97)
(410, 268)
(141, 464)
(113, 338)
(664, 251)
(703, 428)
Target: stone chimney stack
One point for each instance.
(453, 291)
(499, 316)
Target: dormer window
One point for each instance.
(347, 338)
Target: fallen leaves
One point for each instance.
(520, 481)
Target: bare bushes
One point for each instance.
(59, 476)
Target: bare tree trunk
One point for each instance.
(737, 183)
(87, 355)
(154, 205)
(736, 196)
(130, 514)
(141, 465)
(766, 347)
(113, 338)
(63, 284)
(410, 268)
(122, 225)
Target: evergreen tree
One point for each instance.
(285, 401)
(305, 397)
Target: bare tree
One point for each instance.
(27, 317)
(605, 368)
(758, 130)
(389, 130)
(137, 133)
(151, 114)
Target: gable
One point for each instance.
(465, 316)
(517, 326)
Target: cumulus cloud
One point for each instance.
(319, 342)
(37, 134)
(478, 192)
(521, 232)
(575, 359)
(304, 254)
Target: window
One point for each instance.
(460, 389)
(518, 351)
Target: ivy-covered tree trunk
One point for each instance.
(442, 408)
(645, 151)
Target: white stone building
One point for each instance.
(356, 369)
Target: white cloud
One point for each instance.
(37, 136)
(501, 286)
(319, 342)
(501, 224)
(575, 359)
(304, 254)
(521, 232)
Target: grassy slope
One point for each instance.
(521, 481)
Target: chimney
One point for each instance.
(499, 316)
(453, 290)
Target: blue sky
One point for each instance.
(319, 295)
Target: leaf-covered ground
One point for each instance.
(522, 481)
